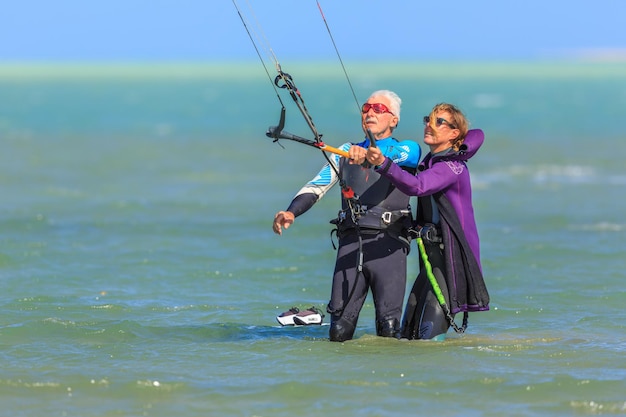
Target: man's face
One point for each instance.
(377, 117)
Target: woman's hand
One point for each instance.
(374, 156)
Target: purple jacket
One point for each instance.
(446, 178)
(448, 174)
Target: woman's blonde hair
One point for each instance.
(458, 121)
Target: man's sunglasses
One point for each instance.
(379, 108)
(438, 122)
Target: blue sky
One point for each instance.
(210, 30)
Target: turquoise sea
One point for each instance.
(140, 275)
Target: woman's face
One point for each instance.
(439, 132)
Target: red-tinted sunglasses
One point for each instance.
(379, 108)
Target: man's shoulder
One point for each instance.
(405, 153)
(410, 145)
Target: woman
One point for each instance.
(445, 222)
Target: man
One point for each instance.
(372, 226)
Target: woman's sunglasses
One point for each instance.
(438, 122)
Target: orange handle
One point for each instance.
(334, 150)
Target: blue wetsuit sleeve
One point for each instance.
(406, 153)
(318, 186)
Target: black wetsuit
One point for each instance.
(373, 249)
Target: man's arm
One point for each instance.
(310, 194)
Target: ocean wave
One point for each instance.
(599, 227)
(546, 174)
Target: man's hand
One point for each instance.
(282, 219)
(356, 155)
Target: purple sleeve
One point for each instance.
(437, 178)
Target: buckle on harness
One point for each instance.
(389, 217)
(429, 233)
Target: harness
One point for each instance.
(371, 222)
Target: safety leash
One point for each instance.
(437, 290)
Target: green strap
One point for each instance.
(431, 276)
(437, 290)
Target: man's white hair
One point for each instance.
(394, 100)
